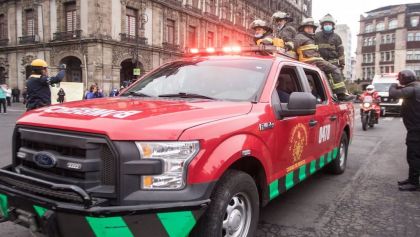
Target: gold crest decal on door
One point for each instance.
(298, 141)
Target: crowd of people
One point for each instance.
(323, 49)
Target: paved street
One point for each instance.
(364, 201)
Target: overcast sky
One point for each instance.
(349, 11)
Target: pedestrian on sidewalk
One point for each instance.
(3, 99)
(61, 94)
(409, 90)
(15, 95)
(8, 95)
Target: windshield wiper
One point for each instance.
(187, 95)
(136, 93)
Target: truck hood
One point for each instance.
(134, 118)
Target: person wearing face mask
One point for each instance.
(284, 31)
(263, 33)
(329, 43)
(308, 52)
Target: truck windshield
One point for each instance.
(221, 79)
(382, 87)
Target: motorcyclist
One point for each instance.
(284, 31)
(409, 90)
(329, 43)
(263, 33)
(308, 52)
(376, 99)
(38, 84)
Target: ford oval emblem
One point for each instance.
(45, 159)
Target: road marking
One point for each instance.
(388, 118)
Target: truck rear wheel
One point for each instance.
(234, 208)
(338, 165)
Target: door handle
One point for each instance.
(313, 123)
(333, 117)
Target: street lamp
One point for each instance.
(143, 20)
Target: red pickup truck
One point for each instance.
(196, 147)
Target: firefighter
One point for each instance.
(284, 31)
(38, 84)
(329, 43)
(409, 91)
(308, 52)
(263, 33)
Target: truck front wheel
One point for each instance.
(338, 165)
(234, 208)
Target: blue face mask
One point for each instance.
(258, 35)
(328, 28)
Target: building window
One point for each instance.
(211, 7)
(415, 68)
(368, 73)
(380, 26)
(226, 40)
(170, 31)
(369, 28)
(387, 56)
(131, 22)
(393, 24)
(388, 39)
(210, 39)
(192, 37)
(369, 58)
(71, 20)
(414, 21)
(417, 37)
(30, 22)
(387, 69)
(410, 37)
(413, 55)
(3, 27)
(238, 18)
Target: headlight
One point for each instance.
(366, 105)
(175, 156)
(400, 101)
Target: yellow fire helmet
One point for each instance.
(39, 63)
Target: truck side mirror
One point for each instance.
(300, 103)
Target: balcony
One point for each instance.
(133, 39)
(170, 46)
(4, 42)
(28, 39)
(211, 16)
(193, 9)
(239, 26)
(226, 21)
(67, 35)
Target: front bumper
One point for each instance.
(92, 217)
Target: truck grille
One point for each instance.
(389, 100)
(79, 159)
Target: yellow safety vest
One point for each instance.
(304, 48)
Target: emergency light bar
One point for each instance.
(237, 50)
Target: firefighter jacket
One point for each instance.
(410, 109)
(330, 47)
(38, 89)
(287, 33)
(305, 47)
(266, 39)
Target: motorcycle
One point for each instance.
(368, 113)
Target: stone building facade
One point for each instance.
(102, 41)
(344, 32)
(389, 41)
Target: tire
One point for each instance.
(338, 165)
(235, 196)
(364, 122)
